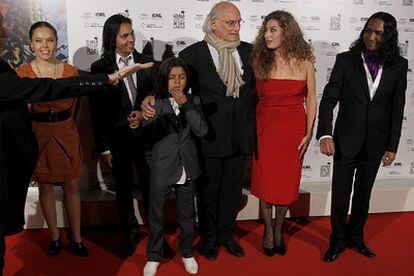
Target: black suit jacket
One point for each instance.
(376, 122)
(18, 146)
(110, 111)
(230, 121)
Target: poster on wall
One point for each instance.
(19, 15)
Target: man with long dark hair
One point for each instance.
(369, 82)
(120, 146)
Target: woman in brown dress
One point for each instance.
(60, 156)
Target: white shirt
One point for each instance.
(215, 56)
(372, 85)
(134, 77)
(176, 109)
(122, 65)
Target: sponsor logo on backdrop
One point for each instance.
(335, 23)
(143, 16)
(326, 170)
(145, 42)
(306, 171)
(157, 16)
(330, 49)
(384, 2)
(357, 23)
(203, 0)
(311, 23)
(407, 3)
(328, 73)
(358, 2)
(100, 15)
(179, 20)
(92, 47)
(258, 1)
(412, 168)
(404, 48)
(125, 12)
(86, 15)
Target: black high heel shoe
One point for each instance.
(77, 248)
(268, 251)
(281, 247)
(55, 246)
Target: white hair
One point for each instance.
(210, 16)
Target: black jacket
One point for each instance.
(230, 121)
(376, 123)
(110, 111)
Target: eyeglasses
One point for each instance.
(232, 23)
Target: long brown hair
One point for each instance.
(294, 46)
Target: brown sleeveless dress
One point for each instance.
(60, 155)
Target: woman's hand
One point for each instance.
(127, 71)
(303, 146)
(178, 95)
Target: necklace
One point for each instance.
(39, 73)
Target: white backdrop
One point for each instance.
(329, 25)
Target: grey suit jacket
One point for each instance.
(172, 146)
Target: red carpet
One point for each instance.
(391, 236)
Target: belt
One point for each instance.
(51, 116)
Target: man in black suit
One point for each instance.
(221, 76)
(122, 147)
(18, 146)
(369, 82)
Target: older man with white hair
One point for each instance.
(221, 76)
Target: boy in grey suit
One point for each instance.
(173, 161)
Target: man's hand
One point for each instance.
(327, 146)
(147, 107)
(134, 118)
(178, 95)
(108, 159)
(388, 158)
(128, 70)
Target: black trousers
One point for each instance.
(365, 170)
(2, 253)
(127, 154)
(219, 197)
(159, 195)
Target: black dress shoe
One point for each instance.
(234, 248)
(77, 248)
(128, 247)
(208, 251)
(269, 251)
(55, 247)
(362, 249)
(332, 254)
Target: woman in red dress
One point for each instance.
(285, 117)
(60, 156)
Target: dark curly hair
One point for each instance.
(161, 84)
(389, 49)
(294, 46)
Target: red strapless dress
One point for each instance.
(281, 125)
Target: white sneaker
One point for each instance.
(150, 268)
(190, 265)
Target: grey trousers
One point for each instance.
(159, 195)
